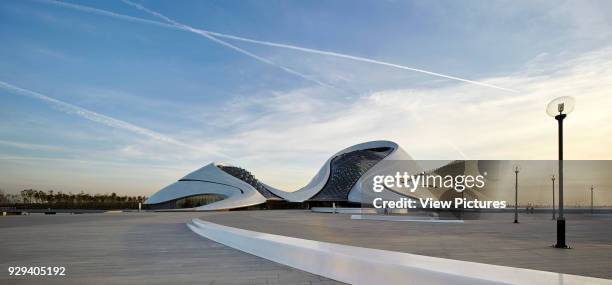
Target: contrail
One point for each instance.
(178, 26)
(271, 44)
(93, 116)
(101, 12)
(226, 44)
(361, 59)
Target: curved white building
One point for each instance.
(344, 178)
(210, 179)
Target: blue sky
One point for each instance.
(188, 100)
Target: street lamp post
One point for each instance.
(559, 108)
(592, 199)
(552, 177)
(516, 171)
(462, 206)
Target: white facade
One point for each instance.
(211, 179)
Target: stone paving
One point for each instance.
(158, 248)
(131, 248)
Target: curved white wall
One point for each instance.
(210, 180)
(359, 265)
(318, 182)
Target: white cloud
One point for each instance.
(305, 126)
(106, 120)
(29, 146)
(284, 137)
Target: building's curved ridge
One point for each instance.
(318, 182)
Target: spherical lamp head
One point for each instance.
(561, 106)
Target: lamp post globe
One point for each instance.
(559, 108)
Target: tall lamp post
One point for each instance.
(559, 108)
(592, 199)
(516, 172)
(552, 177)
(462, 206)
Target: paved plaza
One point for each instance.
(131, 248)
(158, 248)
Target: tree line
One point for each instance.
(38, 199)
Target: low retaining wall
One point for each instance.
(358, 265)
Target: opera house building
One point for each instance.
(342, 180)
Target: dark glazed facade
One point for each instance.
(346, 169)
